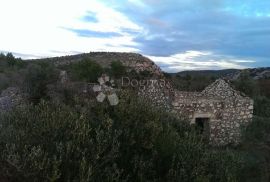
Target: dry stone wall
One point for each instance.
(159, 93)
(226, 109)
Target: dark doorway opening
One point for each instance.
(202, 126)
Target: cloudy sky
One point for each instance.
(176, 34)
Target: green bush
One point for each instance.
(86, 70)
(192, 83)
(246, 85)
(262, 106)
(256, 145)
(37, 77)
(117, 69)
(128, 142)
(54, 143)
(4, 81)
(9, 61)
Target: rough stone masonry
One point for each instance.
(219, 110)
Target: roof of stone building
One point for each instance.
(222, 89)
(193, 97)
(219, 90)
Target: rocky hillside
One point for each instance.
(231, 74)
(255, 73)
(141, 63)
(215, 73)
(130, 60)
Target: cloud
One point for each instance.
(196, 60)
(239, 29)
(34, 27)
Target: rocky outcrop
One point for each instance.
(10, 98)
(254, 73)
(132, 61)
(63, 77)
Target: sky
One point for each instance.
(176, 34)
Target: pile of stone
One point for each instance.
(10, 98)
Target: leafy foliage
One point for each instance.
(246, 85)
(257, 148)
(262, 106)
(37, 77)
(129, 142)
(192, 83)
(10, 70)
(9, 61)
(117, 69)
(86, 70)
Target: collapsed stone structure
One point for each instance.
(219, 110)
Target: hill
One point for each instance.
(231, 74)
(130, 60)
(215, 73)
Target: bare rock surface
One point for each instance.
(10, 98)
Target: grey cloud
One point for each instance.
(222, 27)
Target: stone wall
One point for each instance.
(160, 93)
(227, 110)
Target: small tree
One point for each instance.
(247, 85)
(36, 80)
(117, 69)
(10, 59)
(87, 70)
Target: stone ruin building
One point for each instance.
(219, 111)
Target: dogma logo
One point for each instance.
(105, 89)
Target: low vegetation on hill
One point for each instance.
(76, 138)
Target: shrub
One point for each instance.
(262, 106)
(37, 77)
(9, 61)
(191, 83)
(257, 148)
(4, 81)
(117, 69)
(54, 143)
(246, 84)
(129, 142)
(86, 70)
